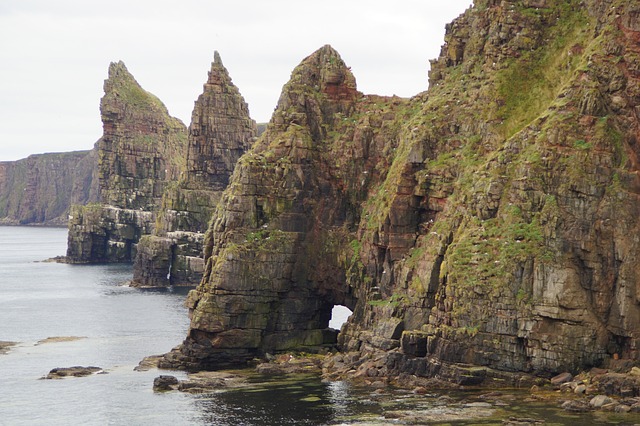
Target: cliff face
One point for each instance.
(221, 131)
(275, 249)
(491, 220)
(141, 151)
(41, 188)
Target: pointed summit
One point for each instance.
(137, 131)
(221, 130)
(216, 58)
(319, 88)
(121, 86)
(218, 75)
(326, 70)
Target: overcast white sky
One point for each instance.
(54, 55)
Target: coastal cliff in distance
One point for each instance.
(486, 226)
(40, 189)
(142, 149)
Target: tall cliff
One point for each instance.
(490, 221)
(141, 151)
(41, 188)
(221, 131)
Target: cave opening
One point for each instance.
(339, 315)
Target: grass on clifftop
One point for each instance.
(529, 84)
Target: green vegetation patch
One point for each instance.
(531, 82)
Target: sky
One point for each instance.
(55, 54)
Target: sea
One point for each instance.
(64, 315)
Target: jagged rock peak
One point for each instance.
(218, 76)
(117, 69)
(216, 58)
(221, 130)
(320, 89)
(122, 86)
(119, 76)
(324, 70)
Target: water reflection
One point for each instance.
(306, 402)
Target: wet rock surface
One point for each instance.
(59, 339)
(77, 371)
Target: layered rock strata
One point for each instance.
(41, 188)
(488, 225)
(141, 152)
(221, 131)
(275, 248)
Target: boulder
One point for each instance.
(599, 401)
(165, 383)
(561, 378)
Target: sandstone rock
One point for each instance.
(140, 152)
(6, 346)
(148, 363)
(41, 188)
(261, 238)
(580, 389)
(621, 408)
(561, 378)
(576, 406)
(599, 401)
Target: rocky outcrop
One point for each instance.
(77, 371)
(140, 153)
(41, 188)
(486, 226)
(221, 131)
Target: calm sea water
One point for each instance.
(121, 325)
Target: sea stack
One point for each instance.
(221, 131)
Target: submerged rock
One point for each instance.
(58, 339)
(6, 346)
(77, 371)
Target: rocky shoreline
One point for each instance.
(603, 391)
